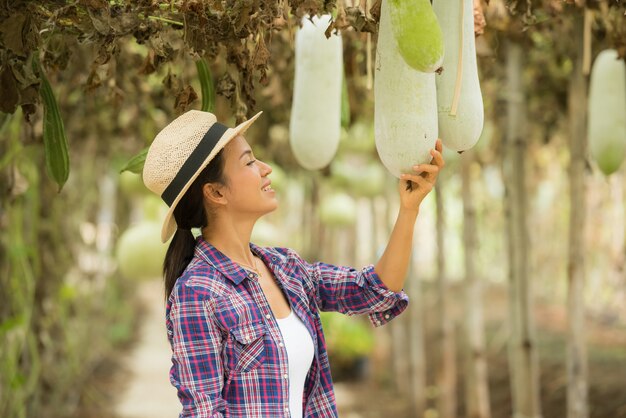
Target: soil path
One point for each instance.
(148, 392)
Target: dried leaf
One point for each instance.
(185, 98)
(479, 18)
(12, 30)
(10, 91)
(226, 86)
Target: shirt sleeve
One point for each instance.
(197, 369)
(354, 292)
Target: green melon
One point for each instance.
(607, 111)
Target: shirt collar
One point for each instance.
(230, 269)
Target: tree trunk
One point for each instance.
(476, 384)
(577, 406)
(523, 363)
(446, 367)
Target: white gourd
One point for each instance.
(405, 107)
(607, 111)
(459, 100)
(315, 124)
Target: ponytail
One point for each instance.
(178, 256)
(190, 213)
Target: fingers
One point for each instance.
(422, 182)
(437, 158)
(428, 168)
(439, 145)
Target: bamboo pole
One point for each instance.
(476, 383)
(446, 364)
(577, 404)
(523, 363)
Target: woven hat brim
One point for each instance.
(169, 224)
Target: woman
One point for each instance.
(243, 321)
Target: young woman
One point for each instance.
(242, 320)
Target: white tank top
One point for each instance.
(300, 352)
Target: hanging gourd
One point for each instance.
(315, 124)
(140, 253)
(405, 106)
(459, 100)
(337, 209)
(607, 111)
(418, 34)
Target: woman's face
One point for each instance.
(248, 187)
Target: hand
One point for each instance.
(414, 187)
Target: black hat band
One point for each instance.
(193, 162)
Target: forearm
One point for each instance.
(393, 265)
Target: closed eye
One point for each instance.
(251, 162)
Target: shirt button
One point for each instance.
(387, 316)
(268, 316)
(286, 376)
(281, 344)
(286, 410)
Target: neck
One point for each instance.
(232, 238)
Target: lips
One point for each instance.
(267, 187)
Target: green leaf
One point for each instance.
(54, 138)
(135, 164)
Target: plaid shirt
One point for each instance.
(228, 355)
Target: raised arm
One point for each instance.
(393, 264)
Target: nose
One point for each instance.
(267, 169)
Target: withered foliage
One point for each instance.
(239, 31)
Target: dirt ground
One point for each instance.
(137, 385)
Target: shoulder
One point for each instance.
(201, 280)
(284, 256)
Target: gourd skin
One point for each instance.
(418, 34)
(315, 124)
(607, 111)
(461, 131)
(405, 107)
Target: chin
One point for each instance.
(273, 207)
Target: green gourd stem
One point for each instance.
(206, 85)
(459, 69)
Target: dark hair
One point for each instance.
(189, 213)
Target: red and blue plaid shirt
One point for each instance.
(228, 355)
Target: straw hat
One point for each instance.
(180, 152)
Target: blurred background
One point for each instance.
(517, 280)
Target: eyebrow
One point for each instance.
(244, 153)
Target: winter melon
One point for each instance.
(459, 100)
(405, 107)
(607, 111)
(418, 34)
(315, 123)
(140, 253)
(338, 209)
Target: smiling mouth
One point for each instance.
(267, 189)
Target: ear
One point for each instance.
(214, 194)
